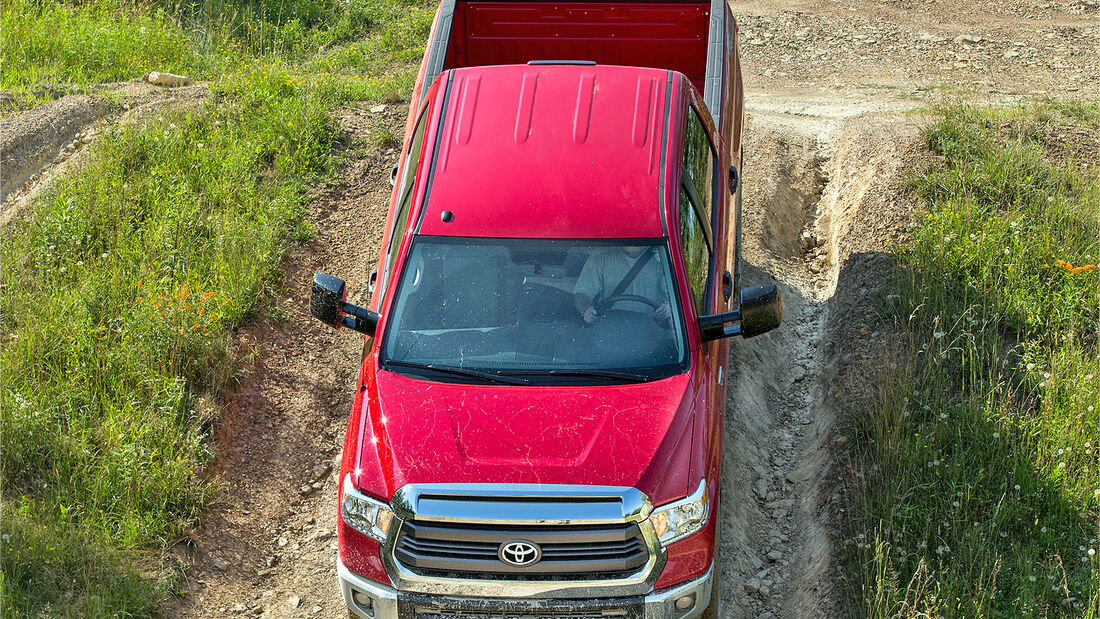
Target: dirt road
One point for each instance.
(829, 139)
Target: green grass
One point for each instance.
(83, 45)
(122, 286)
(55, 42)
(980, 457)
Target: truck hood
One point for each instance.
(416, 431)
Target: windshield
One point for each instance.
(535, 311)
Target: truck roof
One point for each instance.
(549, 151)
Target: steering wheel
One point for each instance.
(606, 304)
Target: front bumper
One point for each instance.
(388, 603)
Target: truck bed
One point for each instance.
(662, 35)
(688, 36)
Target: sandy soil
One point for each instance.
(830, 90)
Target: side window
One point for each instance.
(693, 243)
(699, 162)
(404, 199)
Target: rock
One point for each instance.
(761, 488)
(271, 560)
(752, 585)
(270, 593)
(774, 556)
(316, 485)
(377, 109)
(294, 601)
(320, 471)
(282, 541)
(306, 490)
(322, 534)
(755, 560)
(315, 610)
(239, 608)
(968, 39)
(765, 590)
(167, 79)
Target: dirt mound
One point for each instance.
(31, 139)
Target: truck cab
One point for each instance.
(537, 427)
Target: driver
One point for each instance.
(603, 273)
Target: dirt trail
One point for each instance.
(829, 141)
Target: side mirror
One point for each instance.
(327, 304)
(761, 311)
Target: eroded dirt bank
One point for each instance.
(39, 145)
(826, 196)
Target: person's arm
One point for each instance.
(585, 290)
(584, 306)
(664, 310)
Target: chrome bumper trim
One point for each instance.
(503, 503)
(383, 598)
(657, 605)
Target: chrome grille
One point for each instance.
(584, 551)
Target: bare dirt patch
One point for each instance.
(909, 47)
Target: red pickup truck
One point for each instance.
(537, 427)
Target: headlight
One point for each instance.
(682, 518)
(362, 513)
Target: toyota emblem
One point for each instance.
(519, 552)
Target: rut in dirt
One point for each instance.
(824, 199)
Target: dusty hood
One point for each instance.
(621, 435)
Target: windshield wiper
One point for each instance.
(623, 376)
(446, 369)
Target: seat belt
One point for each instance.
(632, 273)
